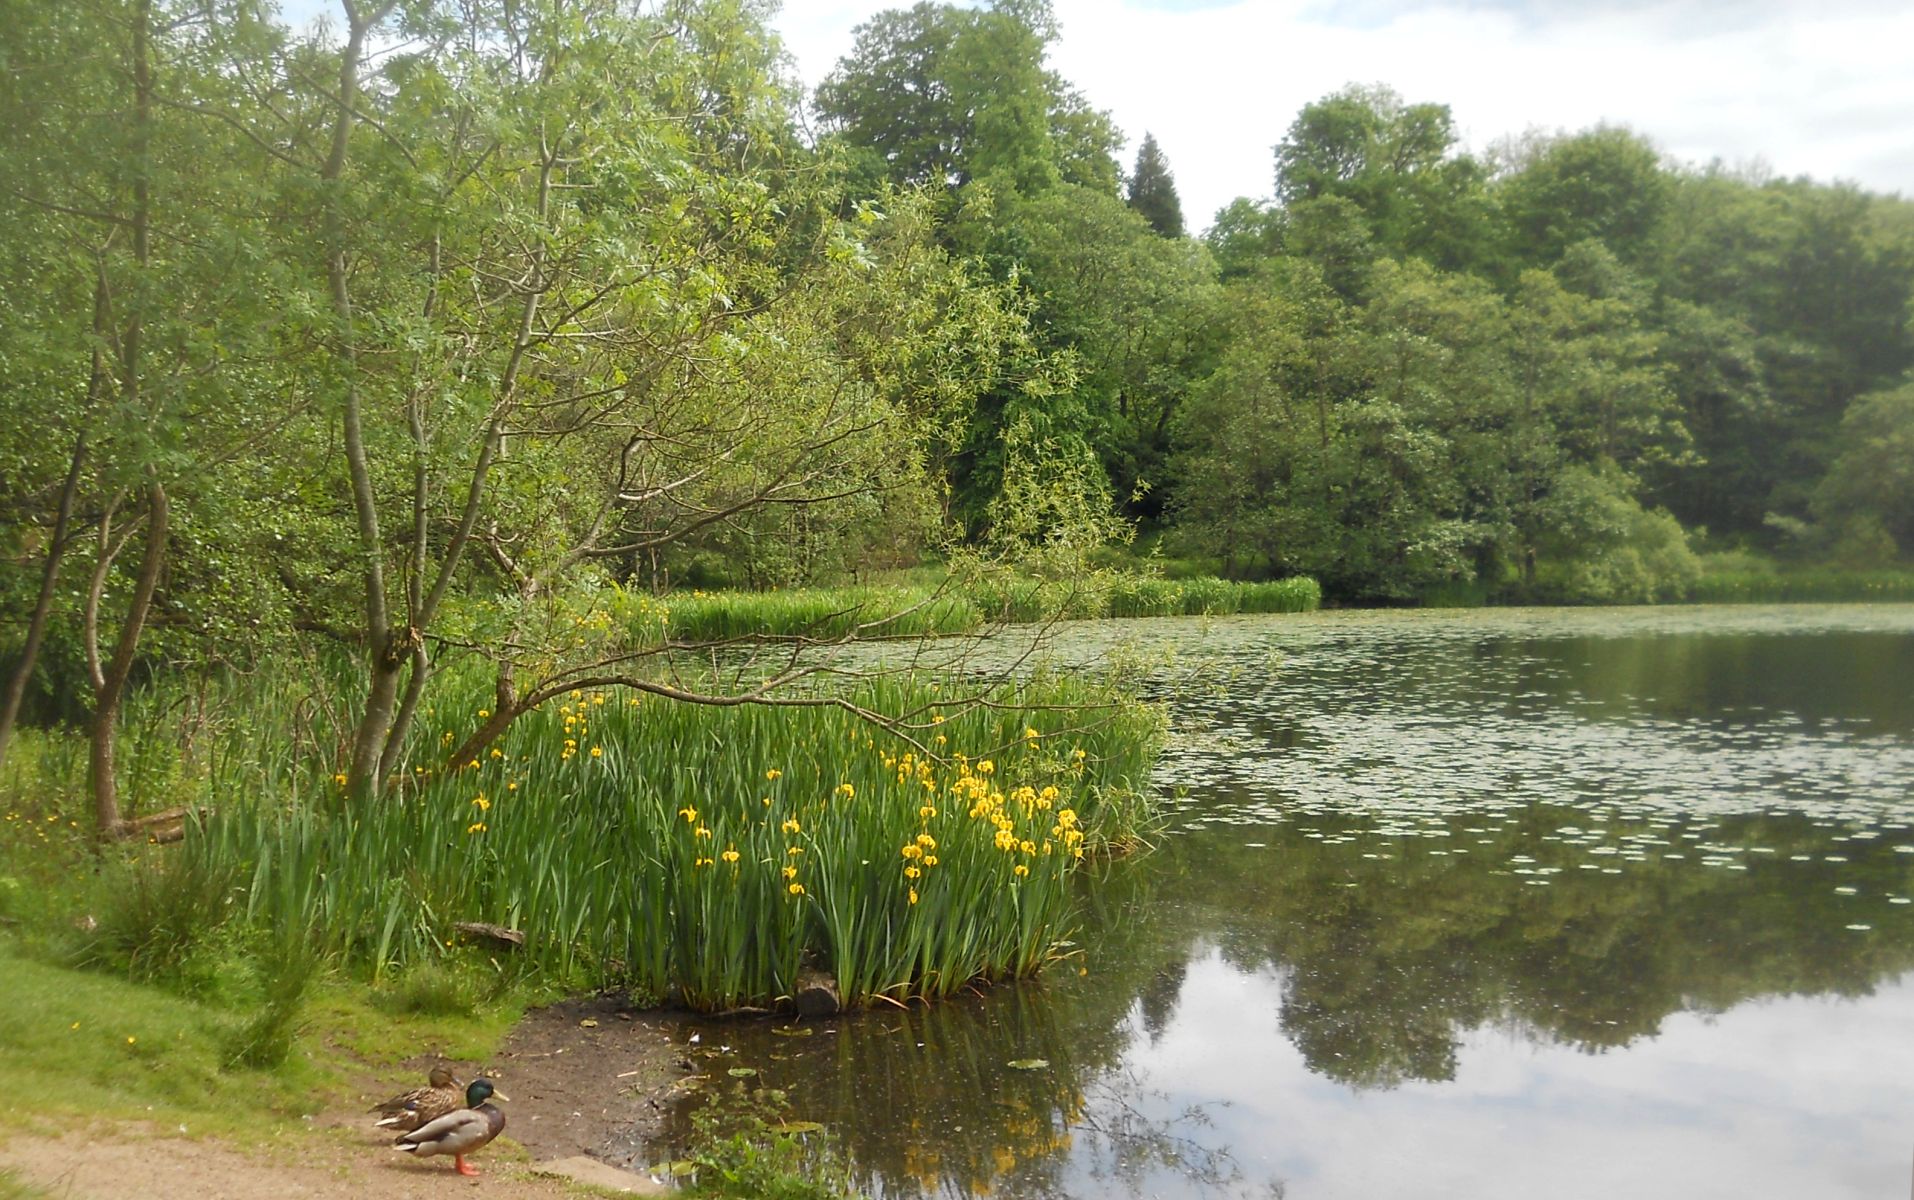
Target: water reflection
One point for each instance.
(1454, 908)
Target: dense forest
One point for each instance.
(437, 326)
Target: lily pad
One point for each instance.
(801, 1127)
(1028, 1064)
(742, 1072)
(794, 1031)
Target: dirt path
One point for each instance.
(584, 1077)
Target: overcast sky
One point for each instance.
(1824, 89)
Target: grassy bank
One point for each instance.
(1742, 582)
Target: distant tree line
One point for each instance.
(409, 334)
(1554, 366)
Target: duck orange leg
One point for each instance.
(464, 1168)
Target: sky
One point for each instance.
(1824, 89)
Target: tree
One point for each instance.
(941, 95)
(1605, 184)
(1153, 191)
(1396, 164)
(1133, 309)
(135, 201)
(1867, 497)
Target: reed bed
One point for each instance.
(904, 611)
(714, 853)
(821, 613)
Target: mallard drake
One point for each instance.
(423, 1105)
(459, 1133)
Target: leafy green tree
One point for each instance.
(149, 324)
(1605, 184)
(1396, 164)
(1153, 191)
(1867, 496)
(1133, 310)
(941, 95)
(1244, 235)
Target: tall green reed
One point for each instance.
(714, 853)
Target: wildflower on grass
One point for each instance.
(512, 786)
(912, 850)
(791, 825)
(1020, 870)
(598, 752)
(701, 831)
(927, 812)
(497, 753)
(986, 767)
(339, 779)
(690, 815)
(484, 713)
(475, 827)
(940, 739)
(913, 895)
(911, 872)
(130, 1040)
(846, 790)
(930, 860)
(473, 763)
(702, 861)
(774, 774)
(926, 841)
(793, 850)
(796, 889)
(481, 803)
(790, 872)
(730, 856)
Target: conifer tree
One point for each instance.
(1153, 192)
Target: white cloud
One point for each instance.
(1809, 88)
(1815, 89)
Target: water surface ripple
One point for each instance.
(1495, 903)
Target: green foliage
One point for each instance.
(742, 1151)
(939, 95)
(1745, 579)
(713, 851)
(1868, 492)
(1153, 191)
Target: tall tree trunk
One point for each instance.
(110, 683)
(388, 649)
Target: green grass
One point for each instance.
(87, 1042)
(1739, 581)
(821, 613)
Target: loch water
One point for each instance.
(1488, 903)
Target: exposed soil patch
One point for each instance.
(107, 1162)
(591, 1076)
